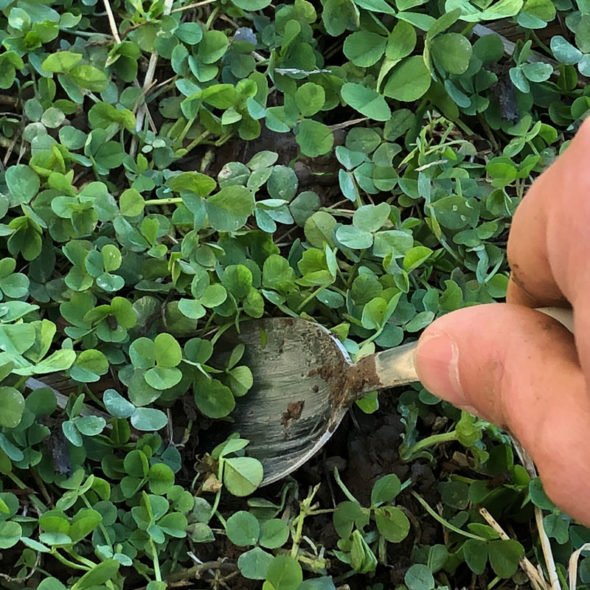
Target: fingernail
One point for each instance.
(437, 365)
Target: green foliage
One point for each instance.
(351, 521)
(354, 162)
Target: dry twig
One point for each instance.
(28, 576)
(147, 83)
(573, 565)
(529, 465)
(112, 22)
(193, 5)
(527, 567)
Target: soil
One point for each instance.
(347, 381)
(364, 448)
(293, 412)
(315, 174)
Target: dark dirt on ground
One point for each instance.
(364, 448)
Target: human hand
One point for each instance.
(515, 366)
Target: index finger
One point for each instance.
(549, 240)
(551, 218)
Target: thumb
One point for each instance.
(518, 368)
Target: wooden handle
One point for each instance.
(395, 367)
(563, 316)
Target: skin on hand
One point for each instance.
(513, 365)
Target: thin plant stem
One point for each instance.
(156, 561)
(536, 578)
(432, 440)
(147, 83)
(17, 480)
(21, 484)
(81, 559)
(28, 576)
(310, 297)
(169, 201)
(211, 18)
(101, 526)
(193, 5)
(376, 335)
(67, 562)
(297, 535)
(93, 396)
(112, 22)
(306, 509)
(547, 553)
(344, 489)
(221, 519)
(444, 522)
(218, 494)
(180, 137)
(527, 567)
(573, 565)
(193, 144)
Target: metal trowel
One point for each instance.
(304, 382)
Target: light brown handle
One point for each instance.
(395, 366)
(563, 316)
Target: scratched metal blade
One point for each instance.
(295, 403)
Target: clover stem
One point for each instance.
(67, 562)
(169, 201)
(352, 273)
(21, 484)
(335, 212)
(344, 489)
(468, 29)
(89, 564)
(101, 526)
(156, 561)
(533, 148)
(218, 494)
(195, 142)
(444, 522)
(313, 512)
(220, 331)
(382, 550)
(221, 519)
(20, 382)
(374, 336)
(311, 296)
(175, 556)
(92, 396)
(297, 535)
(493, 271)
(17, 480)
(446, 246)
(211, 18)
(41, 484)
(434, 439)
(208, 324)
(223, 139)
(180, 137)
